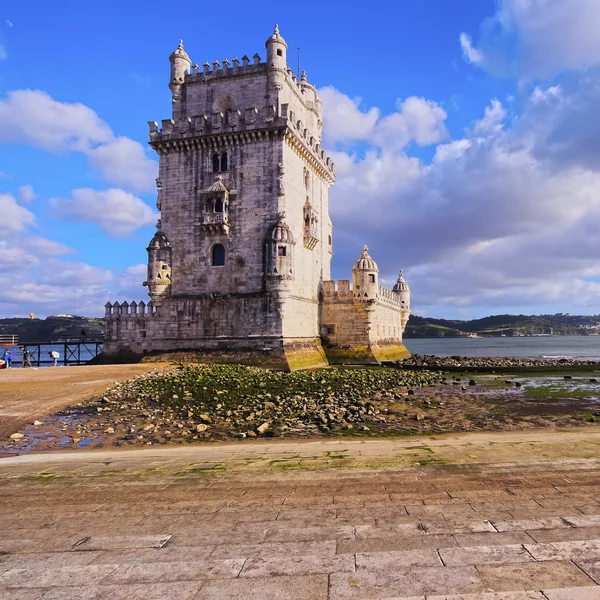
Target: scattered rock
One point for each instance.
(17, 436)
(263, 428)
(37, 423)
(419, 416)
(201, 427)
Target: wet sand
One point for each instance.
(29, 394)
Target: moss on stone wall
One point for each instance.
(390, 352)
(305, 356)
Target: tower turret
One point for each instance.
(180, 65)
(279, 251)
(365, 277)
(401, 288)
(276, 51)
(159, 268)
(277, 64)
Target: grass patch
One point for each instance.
(554, 392)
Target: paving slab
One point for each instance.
(578, 593)
(492, 539)
(579, 550)
(483, 555)
(535, 575)
(59, 576)
(298, 565)
(181, 590)
(411, 581)
(301, 587)
(390, 561)
(492, 596)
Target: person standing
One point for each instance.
(8, 358)
(26, 361)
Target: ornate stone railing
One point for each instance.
(129, 309)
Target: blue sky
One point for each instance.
(463, 133)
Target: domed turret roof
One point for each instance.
(159, 241)
(276, 37)
(282, 233)
(365, 262)
(218, 187)
(180, 52)
(401, 285)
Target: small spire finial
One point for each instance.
(365, 249)
(400, 274)
(219, 178)
(276, 29)
(180, 44)
(303, 75)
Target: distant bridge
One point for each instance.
(73, 350)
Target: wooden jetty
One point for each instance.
(71, 349)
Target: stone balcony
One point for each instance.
(214, 223)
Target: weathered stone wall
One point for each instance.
(252, 213)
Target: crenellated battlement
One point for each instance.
(342, 290)
(118, 310)
(389, 297)
(247, 120)
(226, 69)
(337, 290)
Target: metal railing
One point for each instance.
(8, 339)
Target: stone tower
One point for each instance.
(241, 257)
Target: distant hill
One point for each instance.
(54, 327)
(59, 326)
(508, 325)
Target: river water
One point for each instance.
(554, 346)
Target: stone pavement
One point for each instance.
(176, 523)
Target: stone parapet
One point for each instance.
(239, 127)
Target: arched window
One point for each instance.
(218, 255)
(224, 161)
(215, 163)
(219, 205)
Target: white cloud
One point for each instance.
(35, 118)
(14, 258)
(14, 217)
(74, 274)
(538, 38)
(492, 119)
(416, 120)
(117, 212)
(136, 270)
(9, 23)
(469, 52)
(123, 162)
(344, 119)
(26, 193)
(44, 247)
(506, 216)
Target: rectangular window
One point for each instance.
(281, 251)
(371, 278)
